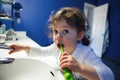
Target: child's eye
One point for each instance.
(55, 32)
(65, 31)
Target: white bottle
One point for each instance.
(2, 29)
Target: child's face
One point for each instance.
(66, 35)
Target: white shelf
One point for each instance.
(6, 18)
(6, 2)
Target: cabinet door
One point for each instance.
(97, 18)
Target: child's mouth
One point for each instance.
(59, 45)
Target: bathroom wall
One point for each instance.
(35, 14)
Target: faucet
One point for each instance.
(6, 60)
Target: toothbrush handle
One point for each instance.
(66, 72)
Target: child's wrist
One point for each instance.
(80, 68)
(26, 49)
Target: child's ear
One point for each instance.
(81, 35)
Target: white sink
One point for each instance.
(29, 69)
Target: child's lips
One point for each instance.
(59, 45)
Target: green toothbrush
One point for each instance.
(66, 72)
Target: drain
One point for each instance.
(52, 73)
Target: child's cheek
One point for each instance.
(53, 38)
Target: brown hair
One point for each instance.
(73, 16)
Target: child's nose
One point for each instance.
(59, 37)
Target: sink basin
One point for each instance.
(29, 69)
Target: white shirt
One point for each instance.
(82, 54)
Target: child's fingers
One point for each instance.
(11, 51)
(63, 56)
(65, 60)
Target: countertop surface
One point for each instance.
(22, 39)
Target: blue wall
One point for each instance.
(36, 13)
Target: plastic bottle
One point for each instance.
(2, 29)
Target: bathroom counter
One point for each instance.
(22, 39)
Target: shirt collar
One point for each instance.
(76, 53)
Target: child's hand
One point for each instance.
(67, 61)
(18, 47)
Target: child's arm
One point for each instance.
(32, 50)
(19, 47)
(67, 61)
(88, 72)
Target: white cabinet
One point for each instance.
(97, 18)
